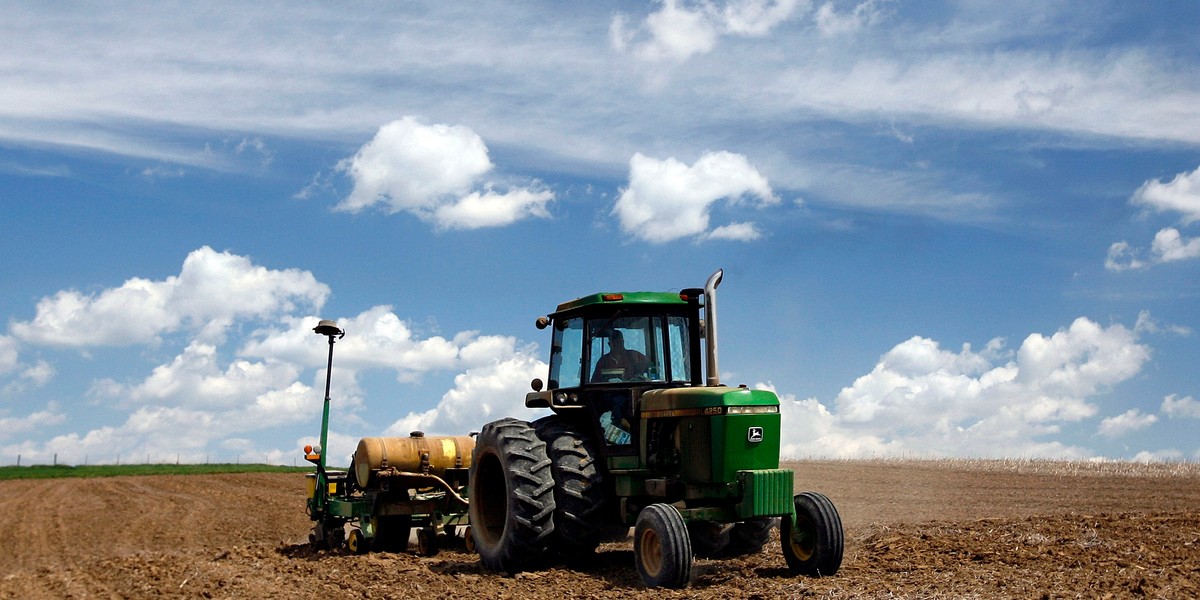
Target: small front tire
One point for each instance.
(813, 543)
(661, 547)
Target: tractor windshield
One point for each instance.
(625, 348)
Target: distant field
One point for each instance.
(50, 472)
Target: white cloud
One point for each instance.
(1124, 423)
(676, 32)
(668, 200)
(1181, 195)
(432, 171)
(375, 339)
(1146, 323)
(481, 394)
(11, 426)
(212, 290)
(490, 209)
(8, 354)
(832, 23)
(741, 232)
(921, 399)
(1146, 456)
(756, 18)
(1123, 257)
(1170, 246)
(1185, 408)
(196, 378)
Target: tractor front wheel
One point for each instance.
(813, 541)
(661, 547)
(512, 496)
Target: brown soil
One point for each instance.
(947, 529)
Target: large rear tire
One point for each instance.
(581, 501)
(661, 547)
(813, 543)
(512, 496)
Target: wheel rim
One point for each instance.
(469, 539)
(651, 552)
(355, 541)
(803, 538)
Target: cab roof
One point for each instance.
(623, 299)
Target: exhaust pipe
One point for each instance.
(710, 326)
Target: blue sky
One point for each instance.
(947, 228)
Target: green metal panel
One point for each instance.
(765, 493)
(740, 452)
(686, 398)
(626, 298)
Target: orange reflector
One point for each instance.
(613, 297)
(308, 449)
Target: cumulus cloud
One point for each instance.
(11, 426)
(211, 291)
(201, 398)
(1170, 246)
(484, 393)
(832, 23)
(196, 378)
(377, 338)
(667, 200)
(1124, 423)
(436, 173)
(922, 399)
(1180, 195)
(1184, 408)
(677, 32)
(8, 354)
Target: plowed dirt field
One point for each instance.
(945, 529)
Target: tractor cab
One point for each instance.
(608, 349)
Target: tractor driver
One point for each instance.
(621, 363)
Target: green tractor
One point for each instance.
(642, 436)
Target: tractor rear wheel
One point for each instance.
(661, 547)
(581, 503)
(512, 496)
(813, 542)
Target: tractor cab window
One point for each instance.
(627, 349)
(566, 354)
(679, 349)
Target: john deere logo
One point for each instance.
(754, 435)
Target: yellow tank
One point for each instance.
(413, 454)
